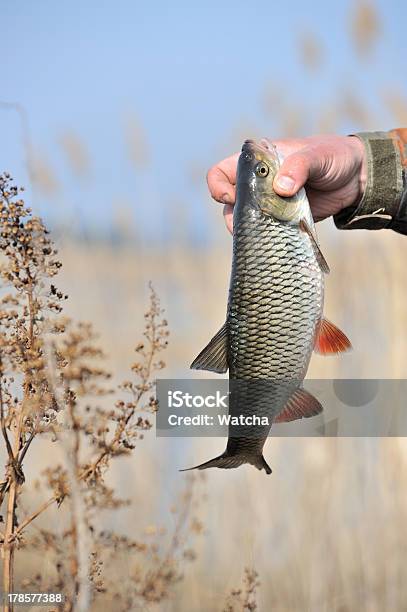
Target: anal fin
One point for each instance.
(300, 405)
(214, 355)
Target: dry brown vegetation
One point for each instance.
(244, 599)
(52, 386)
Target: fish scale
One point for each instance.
(272, 324)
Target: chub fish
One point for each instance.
(275, 308)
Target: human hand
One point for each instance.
(332, 168)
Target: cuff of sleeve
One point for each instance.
(384, 186)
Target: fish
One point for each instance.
(274, 318)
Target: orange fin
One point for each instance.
(300, 405)
(331, 339)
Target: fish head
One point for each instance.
(258, 164)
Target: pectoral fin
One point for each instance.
(300, 405)
(214, 355)
(331, 339)
(318, 253)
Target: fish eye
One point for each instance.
(262, 169)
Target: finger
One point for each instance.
(221, 180)
(298, 168)
(228, 216)
(323, 204)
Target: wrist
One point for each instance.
(359, 156)
(380, 177)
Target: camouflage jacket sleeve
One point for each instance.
(384, 203)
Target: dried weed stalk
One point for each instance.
(52, 382)
(244, 598)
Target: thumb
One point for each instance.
(296, 169)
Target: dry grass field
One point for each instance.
(325, 531)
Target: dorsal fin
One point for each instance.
(318, 253)
(330, 339)
(300, 405)
(214, 355)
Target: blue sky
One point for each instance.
(191, 72)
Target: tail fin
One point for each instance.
(227, 462)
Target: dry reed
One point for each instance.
(53, 384)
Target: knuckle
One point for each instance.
(299, 161)
(210, 175)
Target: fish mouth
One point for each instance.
(262, 150)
